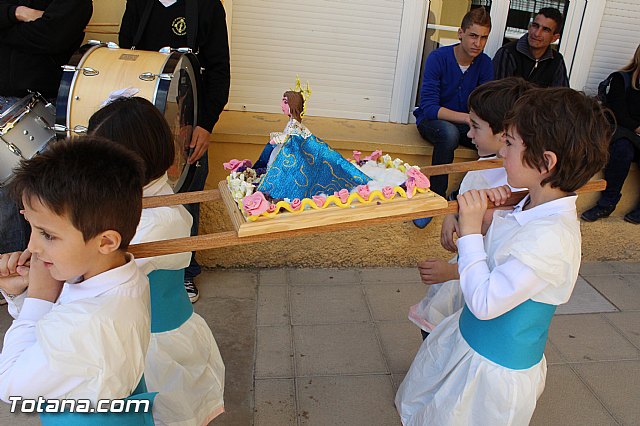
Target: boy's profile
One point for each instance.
(82, 325)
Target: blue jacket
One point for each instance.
(444, 84)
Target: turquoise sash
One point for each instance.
(515, 339)
(125, 418)
(170, 304)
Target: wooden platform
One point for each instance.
(332, 215)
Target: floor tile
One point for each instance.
(273, 305)
(397, 379)
(585, 299)
(390, 275)
(621, 290)
(233, 323)
(621, 267)
(275, 403)
(617, 385)
(392, 301)
(337, 349)
(552, 355)
(596, 268)
(328, 304)
(400, 342)
(347, 400)
(18, 418)
(628, 323)
(589, 337)
(274, 357)
(227, 283)
(567, 401)
(323, 276)
(272, 277)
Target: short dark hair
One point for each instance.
(137, 124)
(494, 99)
(479, 16)
(552, 13)
(95, 183)
(570, 124)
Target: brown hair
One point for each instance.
(95, 183)
(568, 123)
(296, 104)
(494, 99)
(634, 68)
(137, 124)
(478, 16)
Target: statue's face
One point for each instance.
(284, 104)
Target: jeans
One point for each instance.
(445, 137)
(621, 153)
(14, 230)
(197, 184)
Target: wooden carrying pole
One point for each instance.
(231, 238)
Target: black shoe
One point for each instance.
(192, 290)
(597, 212)
(633, 216)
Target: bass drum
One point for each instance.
(99, 72)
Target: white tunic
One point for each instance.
(533, 254)
(184, 365)
(445, 299)
(90, 343)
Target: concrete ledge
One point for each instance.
(243, 135)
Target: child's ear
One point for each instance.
(550, 160)
(109, 241)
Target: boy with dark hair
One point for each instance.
(485, 364)
(532, 57)
(450, 75)
(82, 325)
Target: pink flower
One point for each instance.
(364, 191)
(255, 204)
(356, 155)
(411, 185)
(343, 194)
(387, 192)
(319, 200)
(295, 204)
(374, 155)
(272, 208)
(421, 180)
(234, 164)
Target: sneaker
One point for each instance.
(422, 222)
(633, 217)
(192, 290)
(597, 212)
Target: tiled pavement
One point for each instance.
(330, 346)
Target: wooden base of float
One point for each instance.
(332, 215)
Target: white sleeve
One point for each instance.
(14, 304)
(24, 369)
(489, 294)
(162, 224)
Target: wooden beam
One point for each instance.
(230, 238)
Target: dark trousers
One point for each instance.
(197, 184)
(622, 153)
(445, 137)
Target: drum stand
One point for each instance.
(232, 238)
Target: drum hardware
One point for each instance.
(149, 76)
(88, 71)
(168, 49)
(77, 129)
(14, 149)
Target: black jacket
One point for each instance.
(33, 52)
(514, 59)
(212, 51)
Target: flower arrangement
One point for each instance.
(243, 180)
